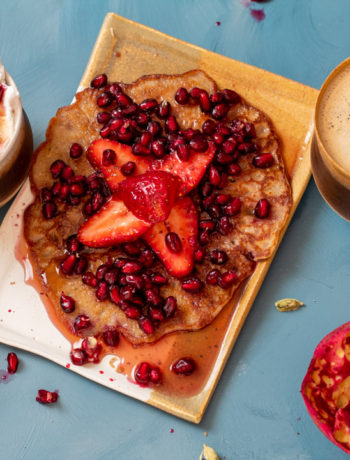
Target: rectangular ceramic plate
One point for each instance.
(125, 51)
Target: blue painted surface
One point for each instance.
(257, 411)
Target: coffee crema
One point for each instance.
(333, 118)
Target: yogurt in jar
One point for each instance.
(10, 107)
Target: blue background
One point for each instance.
(257, 411)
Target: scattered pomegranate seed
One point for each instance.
(181, 96)
(89, 279)
(145, 139)
(81, 265)
(67, 266)
(139, 149)
(92, 349)
(199, 255)
(227, 279)
(104, 99)
(213, 277)
(49, 210)
(184, 366)
(217, 97)
(142, 373)
(56, 168)
(134, 280)
(81, 322)
(214, 211)
(114, 89)
(12, 363)
(76, 150)
(67, 303)
(103, 117)
(123, 100)
(78, 357)
(159, 279)
(219, 257)
(262, 209)
(149, 105)
(192, 285)
(207, 224)
(146, 325)
(111, 337)
(97, 201)
(170, 306)
(128, 168)
(173, 242)
(99, 81)
(156, 313)
(47, 397)
(108, 157)
(265, 160)
(233, 207)
(224, 226)
(154, 128)
(46, 195)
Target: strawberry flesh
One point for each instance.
(112, 172)
(183, 220)
(150, 196)
(191, 171)
(112, 224)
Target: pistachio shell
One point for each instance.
(208, 453)
(288, 304)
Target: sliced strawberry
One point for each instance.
(182, 220)
(150, 196)
(123, 153)
(191, 171)
(112, 224)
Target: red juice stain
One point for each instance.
(218, 23)
(258, 15)
(172, 430)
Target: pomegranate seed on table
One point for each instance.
(99, 81)
(47, 397)
(262, 209)
(184, 366)
(76, 150)
(67, 303)
(12, 363)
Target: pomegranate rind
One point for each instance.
(326, 387)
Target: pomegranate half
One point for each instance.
(326, 387)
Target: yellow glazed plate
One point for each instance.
(125, 51)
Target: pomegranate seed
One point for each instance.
(206, 189)
(97, 201)
(89, 279)
(78, 356)
(103, 117)
(67, 173)
(56, 188)
(223, 198)
(139, 149)
(214, 211)
(76, 150)
(217, 97)
(147, 257)
(111, 337)
(207, 224)
(142, 373)
(67, 266)
(142, 119)
(155, 375)
(156, 313)
(233, 207)
(108, 157)
(104, 99)
(195, 93)
(218, 138)
(81, 322)
(213, 277)
(171, 125)
(214, 175)
(227, 279)
(114, 89)
(12, 363)
(236, 126)
(204, 237)
(126, 292)
(154, 128)
(49, 210)
(231, 96)
(130, 110)
(158, 147)
(220, 111)
(249, 130)
(223, 181)
(184, 366)
(181, 96)
(224, 159)
(119, 263)
(199, 255)
(111, 276)
(173, 242)
(191, 133)
(46, 195)
(192, 285)
(101, 271)
(114, 294)
(229, 146)
(102, 291)
(132, 249)
(73, 200)
(147, 280)
(149, 105)
(132, 267)
(128, 168)
(145, 139)
(204, 102)
(146, 325)
(56, 168)
(262, 209)
(219, 257)
(209, 200)
(208, 127)
(67, 303)
(265, 160)
(224, 226)
(99, 81)
(47, 397)
(158, 279)
(163, 110)
(92, 349)
(170, 306)
(123, 100)
(246, 147)
(77, 190)
(134, 280)
(233, 169)
(104, 131)
(153, 297)
(183, 152)
(199, 144)
(132, 312)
